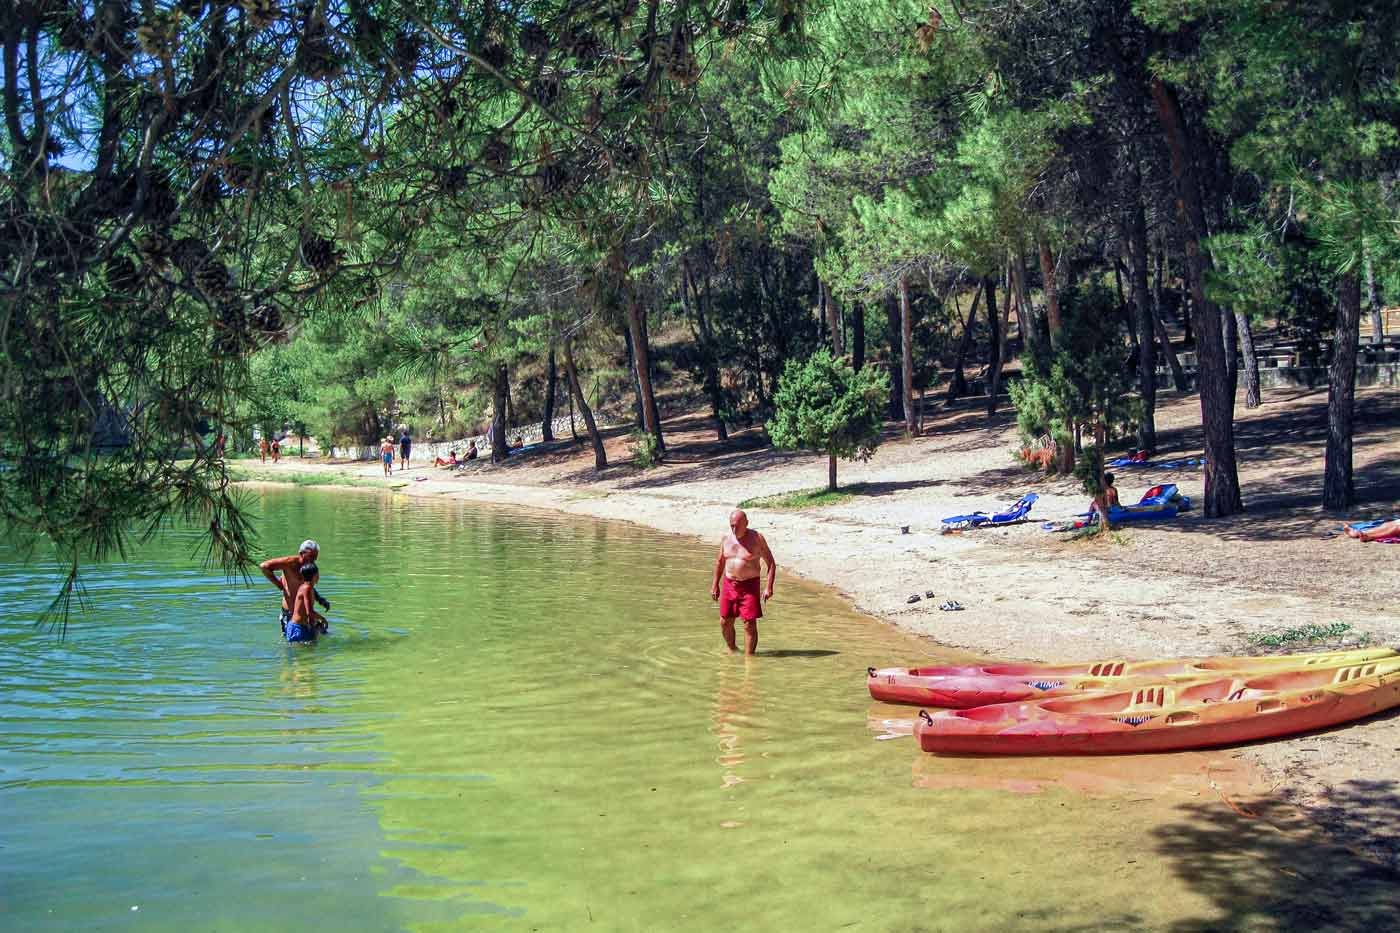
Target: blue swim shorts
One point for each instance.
(297, 632)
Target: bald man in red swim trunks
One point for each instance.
(736, 585)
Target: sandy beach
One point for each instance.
(1187, 587)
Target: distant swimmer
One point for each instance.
(306, 623)
(291, 581)
(736, 583)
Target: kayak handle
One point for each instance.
(923, 714)
(870, 672)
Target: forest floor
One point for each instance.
(1275, 578)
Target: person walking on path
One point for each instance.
(386, 455)
(736, 583)
(262, 449)
(291, 580)
(276, 450)
(405, 448)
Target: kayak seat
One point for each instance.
(1354, 672)
(1107, 669)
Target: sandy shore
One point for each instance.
(1192, 586)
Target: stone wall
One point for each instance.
(430, 450)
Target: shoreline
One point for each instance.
(1188, 587)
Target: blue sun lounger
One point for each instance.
(1017, 513)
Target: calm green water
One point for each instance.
(519, 722)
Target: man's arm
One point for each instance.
(719, 571)
(767, 556)
(325, 603)
(271, 566)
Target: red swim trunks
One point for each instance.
(741, 598)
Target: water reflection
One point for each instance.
(729, 715)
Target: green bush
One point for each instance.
(645, 451)
(823, 404)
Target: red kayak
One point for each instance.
(1168, 716)
(963, 687)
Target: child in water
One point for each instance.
(306, 621)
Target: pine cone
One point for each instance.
(495, 154)
(408, 49)
(231, 337)
(261, 13)
(266, 319)
(319, 253)
(189, 254)
(212, 278)
(154, 249)
(534, 40)
(319, 60)
(545, 89)
(159, 35)
(238, 175)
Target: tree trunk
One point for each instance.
(896, 357)
(833, 322)
(1025, 314)
(600, 456)
(1230, 341)
(1052, 294)
(638, 418)
(1250, 359)
(642, 363)
(551, 384)
(711, 380)
(1222, 485)
(1124, 309)
(1373, 303)
(1338, 489)
(1135, 230)
(857, 336)
(957, 386)
(906, 355)
(511, 419)
(1178, 375)
(830, 472)
(994, 349)
(499, 400)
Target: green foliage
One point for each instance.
(646, 453)
(823, 404)
(1088, 469)
(1083, 382)
(1311, 633)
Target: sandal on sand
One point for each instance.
(950, 605)
(914, 599)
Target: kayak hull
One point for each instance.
(962, 687)
(1168, 717)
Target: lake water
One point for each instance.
(520, 722)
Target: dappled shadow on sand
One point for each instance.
(1263, 866)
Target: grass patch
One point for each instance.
(241, 474)
(1310, 635)
(800, 499)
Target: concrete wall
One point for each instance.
(428, 451)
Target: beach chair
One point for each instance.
(1017, 513)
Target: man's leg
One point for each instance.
(726, 628)
(750, 636)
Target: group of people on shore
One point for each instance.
(269, 447)
(405, 451)
(738, 586)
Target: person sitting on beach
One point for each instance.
(386, 455)
(451, 460)
(519, 443)
(1106, 499)
(306, 623)
(471, 451)
(1381, 532)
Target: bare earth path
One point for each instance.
(1192, 586)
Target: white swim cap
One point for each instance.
(309, 545)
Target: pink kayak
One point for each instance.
(1170, 715)
(964, 687)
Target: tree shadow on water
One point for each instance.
(1264, 866)
(797, 653)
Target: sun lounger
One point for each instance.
(1017, 513)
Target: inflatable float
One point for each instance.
(1169, 716)
(964, 687)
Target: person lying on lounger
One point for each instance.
(1390, 529)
